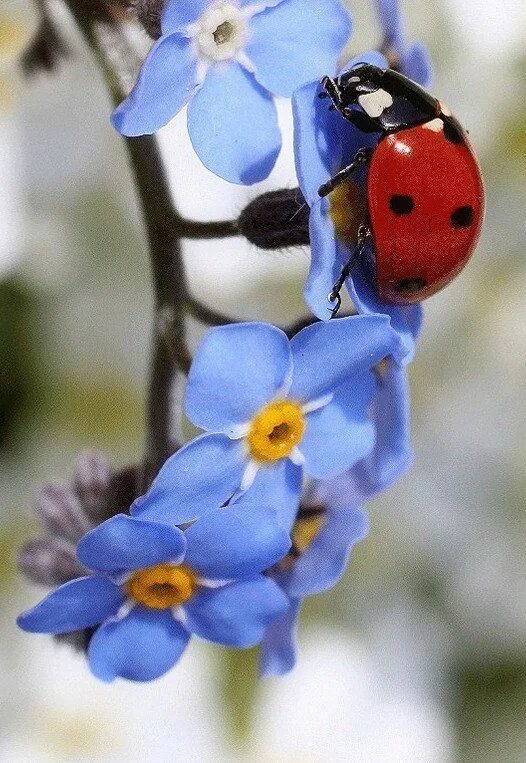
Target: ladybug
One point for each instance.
(424, 190)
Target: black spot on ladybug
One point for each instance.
(462, 217)
(401, 204)
(453, 131)
(410, 285)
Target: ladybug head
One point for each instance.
(361, 78)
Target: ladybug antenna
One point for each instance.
(334, 295)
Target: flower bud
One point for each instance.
(149, 14)
(60, 513)
(276, 219)
(48, 562)
(91, 480)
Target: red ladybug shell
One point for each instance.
(426, 204)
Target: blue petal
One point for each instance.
(278, 648)
(324, 562)
(326, 355)
(297, 42)
(141, 647)
(340, 434)
(237, 614)
(327, 261)
(324, 141)
(233, 125)
(392, 22)
(239, 541)
(177, 15)
(278, 486)
(406, 321)
(237, 370)
(416, 64)
(200, 477)
(81, 603)
(392, 453)
(166, 83)
(125, 543)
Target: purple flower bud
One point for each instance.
(61, 513)
(91, 481)
(49, 562)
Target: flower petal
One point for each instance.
(236, 542)
(237, 370)
(126, 543)
(416, 64)
(233, 125)
(237, 614)
(324, 141)
(297, 42)
(392, 22)
(340, 434)
(200, 477)
(392, 453)
(177, 15)
(165, 84)
(326, 355)
(81, 603)
(324, 562)
(141, 647)
(327, 261)
(278, 648)
(278, 486)
(406, 321)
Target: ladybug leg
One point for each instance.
(361, 157)
(332, 91)
(334, 297)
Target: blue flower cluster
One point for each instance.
(263, 508)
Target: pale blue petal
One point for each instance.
(392, 22)
(81, 603)
(297, 42)
(237, 370)
(416, 64)
(340, 434)
(324, 562)
(165, 84)
(327, 261)
(237, 614)
(278, 487)
(233, 125)
(239, 541)
(324, 141)
(326, 355)
(177, 14)
(126, 543)
(278, 648)
(200, 477)
(141, 647)
(406, 321)
(392, 453)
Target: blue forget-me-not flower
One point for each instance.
(329, 522)
(153, 585)
(226, 59)
(273, 408)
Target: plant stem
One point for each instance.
(163, 225)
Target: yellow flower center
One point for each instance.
(306, 529)
(275, 431)
(347, 209)
(162, 586)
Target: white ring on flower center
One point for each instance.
(221, 32)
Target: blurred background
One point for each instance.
(419, 655)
